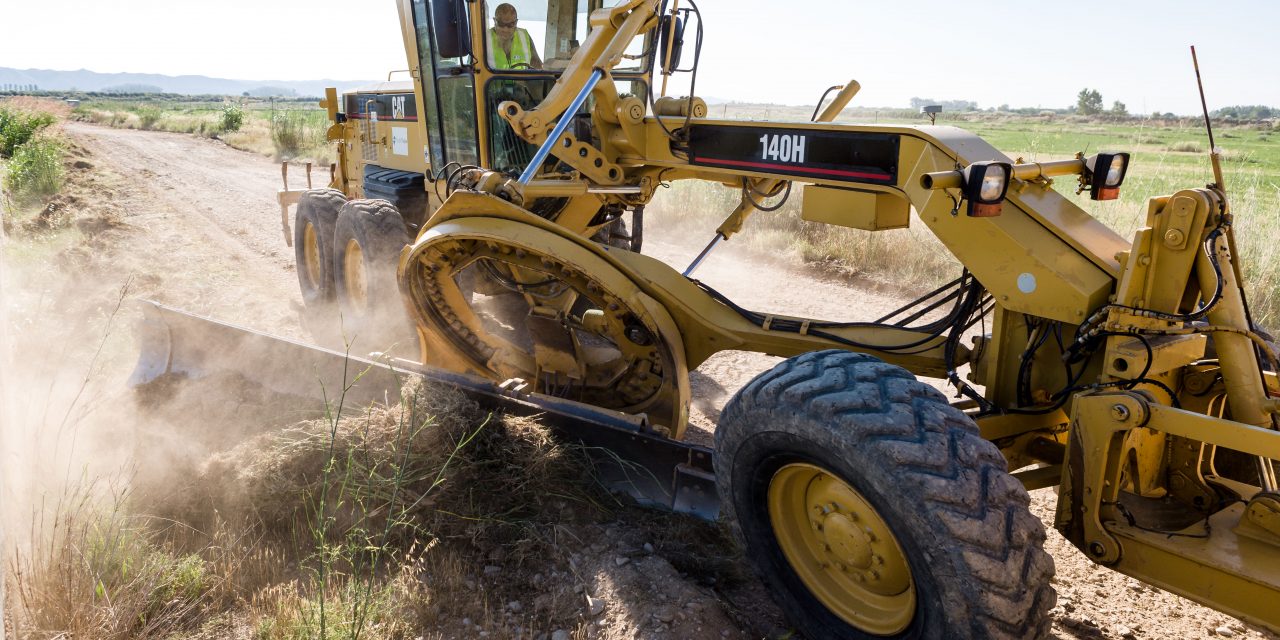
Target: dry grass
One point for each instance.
(96, 571)
(285, 134)
(361, 524)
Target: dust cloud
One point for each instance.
(62, 411)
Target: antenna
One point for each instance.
(1214, 157)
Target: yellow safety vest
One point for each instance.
(521, 52)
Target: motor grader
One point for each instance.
(478, 214)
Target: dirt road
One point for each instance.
(206, 237)
(207, 229)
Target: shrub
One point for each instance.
(286, 134)
(17, 127)
(293, 131)
(35, 169)
(148, 117)
(232, 117)
(1189, 146)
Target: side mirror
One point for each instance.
(665, 34)
(453, 28)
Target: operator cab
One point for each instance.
(507, 50)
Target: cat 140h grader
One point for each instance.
(486, 206)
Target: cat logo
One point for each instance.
(397, 107)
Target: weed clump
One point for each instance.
(149, 117)
(19, 127)
(292, 131)
(104, 574)
(359, 523)
(35, 170)
(232, 117)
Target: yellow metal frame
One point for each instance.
(1123, 434)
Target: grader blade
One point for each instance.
(626, 458)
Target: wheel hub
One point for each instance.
(846, 544)
(353, 276)
(841, 549)
(311, 254)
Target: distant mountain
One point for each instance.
(84, 80)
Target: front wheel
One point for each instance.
(872, 508)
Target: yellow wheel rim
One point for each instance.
(353, 276)
(311, 254)
(841, 549)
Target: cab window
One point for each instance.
(542, 35)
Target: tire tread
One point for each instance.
(941, 462)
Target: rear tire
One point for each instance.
(313, 243)
(834, 423)
(313, 226)
(368, 237)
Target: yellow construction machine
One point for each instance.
(487, 214)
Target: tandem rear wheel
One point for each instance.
(313, 243)
(368, 237)
(872, 508)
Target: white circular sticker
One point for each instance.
(1026, 283)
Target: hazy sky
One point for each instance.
(994, 52)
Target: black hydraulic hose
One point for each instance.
(913, 303)
(748, 190)
(1089, 330)
(818, 108)
(788, 325)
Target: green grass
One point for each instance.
(30, 151)
(35, 170)
(295, 131)
(17, 127)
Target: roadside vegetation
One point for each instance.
(31, 149)
(321, 529)
(431, 515)
(286, 130)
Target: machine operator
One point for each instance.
(510, 47)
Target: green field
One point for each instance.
(291, 130)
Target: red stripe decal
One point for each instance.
(795, 169)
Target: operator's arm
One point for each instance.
(534, 60)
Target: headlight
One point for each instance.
(992, 186)
(1115, 173)
(1106, 174)
(985, 185)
